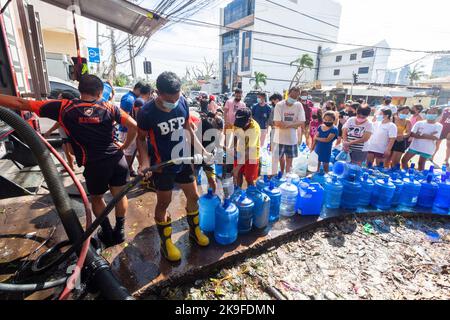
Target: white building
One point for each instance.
(267, 35)
(369, 63)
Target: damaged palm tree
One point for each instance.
(303, 63)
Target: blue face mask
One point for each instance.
(403, 116)
(380, 118)
(170, 105)
(291, 100)
(431, 117)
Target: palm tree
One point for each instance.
(302, 63)
(260, 78)
(415, 74)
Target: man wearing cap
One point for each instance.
(387, 105)
(247, 141)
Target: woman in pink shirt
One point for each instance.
(230, 108)
(416, 111)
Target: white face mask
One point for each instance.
(304, 98)
(291, 100)
(170, 105)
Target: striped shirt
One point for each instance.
(356, 131)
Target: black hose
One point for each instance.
(14, 287)
(104, 215)
(111, 290)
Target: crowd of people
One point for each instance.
(155, 125)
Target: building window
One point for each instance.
(246, 50)
(237, 10)
(230, 37)
(353, 56)
(337, 72)
(368, 53)
(338, 58)
(364, 70)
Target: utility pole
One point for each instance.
(113, 55)
(146, 74)
(131, 51)
(98, 46)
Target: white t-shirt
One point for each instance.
(287, 114)
(424, 145)
(357, 131)
(382, 132)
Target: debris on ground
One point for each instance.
(359, 258)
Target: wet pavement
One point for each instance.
(26, 222)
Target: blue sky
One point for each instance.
(413, 24)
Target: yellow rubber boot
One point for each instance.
(194, 230)
(168, 249)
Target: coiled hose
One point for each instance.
(101, 273)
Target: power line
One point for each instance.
(228, 28)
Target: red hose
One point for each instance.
(70, 285)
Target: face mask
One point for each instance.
(291, 100)
(431, 117)
(304, 98)
(403, 116)
(379, 118)
(329, 124)
(170, 105)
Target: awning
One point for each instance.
(119, 14)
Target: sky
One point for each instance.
(411, 24)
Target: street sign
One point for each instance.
(147, 67)
(94, 55)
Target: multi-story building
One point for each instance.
(390, 77)
(369, 63)
(441, 67)
(403, 77)
(266, 36)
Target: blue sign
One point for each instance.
(94, 55)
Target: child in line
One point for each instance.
(323, 140)
(315, 123)
(424, 136)
(382, 139)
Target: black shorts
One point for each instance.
(400, 146)
(166, 181)
(101, 175)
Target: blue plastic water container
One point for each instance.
(227, 217)
(367, 187)
(262, 183)
(410, 193)
(219, 170)
(352, 190)
(443, 195)
(333, 192)
(310, 200)
(428, 192)
(245, 206)
(340, 168)
(258, 199)
(279, 179)
(107, 90)
(319, 177)
(383, 193)
(398, 182)
(261, 217)
(275, 201)
(207, 208)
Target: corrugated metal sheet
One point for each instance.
(119, 14)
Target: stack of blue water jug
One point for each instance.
(348, 186)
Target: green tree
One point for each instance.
(302, 63)
(121, 80)
(415, 74)
(260, 78)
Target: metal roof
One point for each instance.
(119, 14)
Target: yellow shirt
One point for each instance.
(252, 136)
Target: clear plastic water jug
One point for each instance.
(295, 179)
(207, 208)
(313, 162)
(289, 194)
(227, 217)
(344, 157)
(228, 185)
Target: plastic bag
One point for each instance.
(344, 157)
